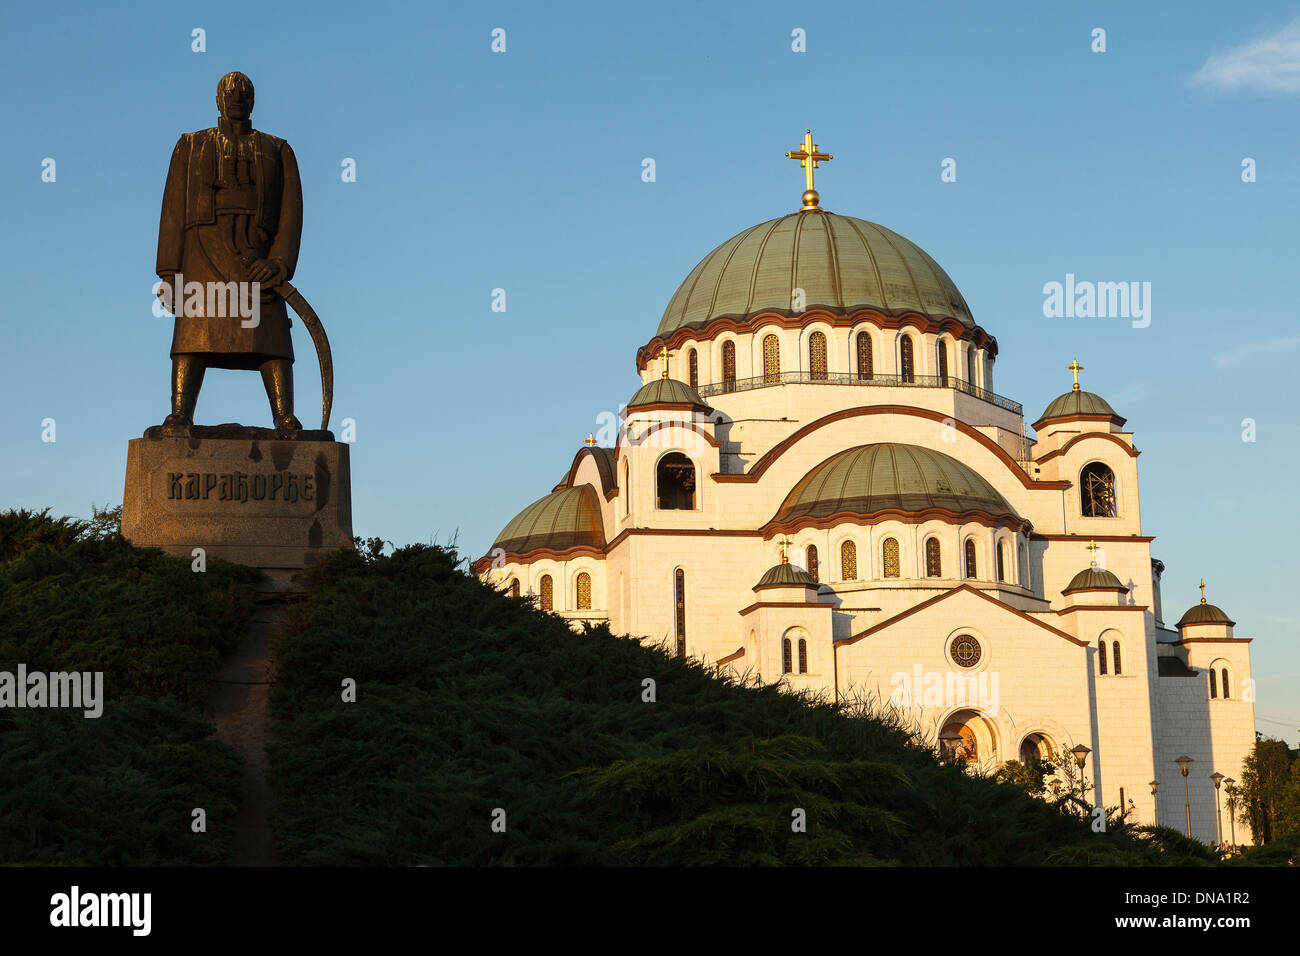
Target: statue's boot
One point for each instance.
(277, 376)
(187, 379)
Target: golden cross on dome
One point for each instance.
(785, 543)
(663, 354)
(810, 157)
(1093, 549)
(1202, 590)
(591, 440)
(1076, 368)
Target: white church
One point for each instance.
(817, 484)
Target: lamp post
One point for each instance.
(1155, 801)
(1080, 757)
(1218, 814)
(1184, 764)
(1232, 809)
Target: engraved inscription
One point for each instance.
(240, 486)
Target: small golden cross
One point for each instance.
(1093, 549)
(663, 354)
(810, 157)
(785, 548)
(1202, 590)
(1076, 368)
(591, 440)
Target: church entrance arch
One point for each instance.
(970, 736)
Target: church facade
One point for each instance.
(817, 484)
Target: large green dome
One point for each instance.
(872, 478)
(840, 262)
(563, 519)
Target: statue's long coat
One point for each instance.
(194, 241)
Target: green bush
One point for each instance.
(120, 788)
(469, 700)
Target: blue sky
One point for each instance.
(522, 171)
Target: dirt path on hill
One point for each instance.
(238, 704)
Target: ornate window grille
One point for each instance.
(548, 593)
(865, 369)
(584, 591)
(786, 664)
(909, 366)
(803, 656)
(817, 356)
(729, 366)
(933, 563)
(848, 561)
(943, 364)
(1101, 656)
(680, 597)
(812, 561)
(771, 359)
(693, 365)
(965, 650)
(1114, 647)
(890, 550)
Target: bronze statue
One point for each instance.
(232, 213)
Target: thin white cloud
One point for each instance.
(1242, 352)
(1270, 64)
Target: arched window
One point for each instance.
(1114, 647)
(786, 665)
(514, 587)
(1097, 490)
(548, 593)
(1226, 686)
(584, 591)
(1101, 656)
(971, 569)
(679, 599)
(729, 366)
(626, 490)
(890, 556)
(812, 561)
(1214, 685)
(943, 363)
(864, 355)
(970, 366)
(803, 656)
(771, 359)
(817, 356)
(848, 561)
(693, 367)
(909, 368)
(933, 563)
(675, 482)
(1220, 680)
(1002, 560)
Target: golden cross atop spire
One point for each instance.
(1093, 549)
(1076, 368)
(810, 157)
(591, 440)
(785, 548)
(1202, 590)
(663, 354)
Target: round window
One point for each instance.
(965, 650)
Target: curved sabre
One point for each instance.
(322, 342)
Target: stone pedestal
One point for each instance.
(248, 495)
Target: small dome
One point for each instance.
(1205, 614)
(564, 519)
(842, 264)
(666, 391)
(1094, 579)
(1075, 404)
(891, 477)
(785, 575)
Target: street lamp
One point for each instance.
(1218, 814)
(1232, 809)
(1155, 801)
(1184, 764)
(948, 742)
(1080, 757)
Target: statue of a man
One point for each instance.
(231, 213)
